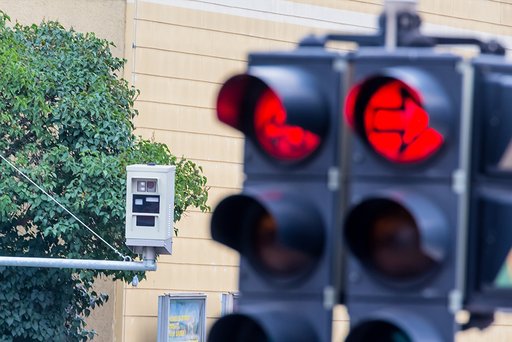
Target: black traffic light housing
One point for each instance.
(490, 239)
(402, 219)
(395, 188)
(285, 223)
(301, 84)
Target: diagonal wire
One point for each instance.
(124, 257)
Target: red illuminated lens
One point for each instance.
(279, 139)
(229, 101)
(350, 105)
(397, 126)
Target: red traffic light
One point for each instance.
(278, 138)
(280, 110)
(391, 117)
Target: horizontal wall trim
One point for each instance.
(314, 16)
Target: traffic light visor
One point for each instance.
(280, 235)
(237, 327)
(377, 330)
(263, 326)
(390, 115)
(278, 111)
(394, 324)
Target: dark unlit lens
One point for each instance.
(151, 185)
(386, 237)
(396, 245)
(271, 253)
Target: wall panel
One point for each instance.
(198, 146)
(188, 119)
(212, 43)
(180, 58)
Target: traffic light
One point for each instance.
(489, 268)
(285, 223)
(403, 219)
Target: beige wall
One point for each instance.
(178, 54)
(181, 57)
(183, 51)
(104, 17)
(178, 69)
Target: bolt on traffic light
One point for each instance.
(285, 223)
(402, 223)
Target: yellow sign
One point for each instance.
(185, 322)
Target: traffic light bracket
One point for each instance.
(407, 23)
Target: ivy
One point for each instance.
(66, 121)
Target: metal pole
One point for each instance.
(461, 184)
(146, 265)
(391, 9)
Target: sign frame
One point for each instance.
(165, 308)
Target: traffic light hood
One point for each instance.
(278, 231)
(392, 325)
(271, 325)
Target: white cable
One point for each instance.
(124, 257)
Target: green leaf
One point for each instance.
(66, 121)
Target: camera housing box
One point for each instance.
(150, 207)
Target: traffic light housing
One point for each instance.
(489, 267)
(402, 222)
(418, 171)
(285, 223)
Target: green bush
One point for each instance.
(66, 121)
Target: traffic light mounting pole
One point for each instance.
(461, 187)
(391, 9)
(399, 26)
